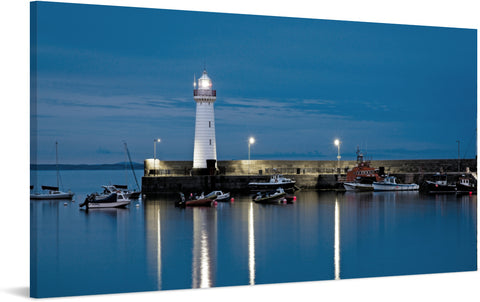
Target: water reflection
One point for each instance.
(204, 247)
(374, 234)
(251, 245)
(337, 239)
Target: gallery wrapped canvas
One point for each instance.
(180, 150)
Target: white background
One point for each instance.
(14, 169)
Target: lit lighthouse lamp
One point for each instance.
(205, 147)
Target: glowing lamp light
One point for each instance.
(205, 83)
(336, 142)
(251, 140)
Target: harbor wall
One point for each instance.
(175, 176)
(307, 167)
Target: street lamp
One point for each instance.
(337, 143)
(155, 141)
(251, 141)
(458, 161)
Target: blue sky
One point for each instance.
(108, 74)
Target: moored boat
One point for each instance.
(218, 196)
(466, 185)
(202, 202)
(389, 183)
(51, 193)
(276, 196)
(358, 186)
(276, 181)
(112, 200)
(439, 184)
(361, 177)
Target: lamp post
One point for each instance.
(458, 161)
(251, 141)
(337, 143)
(155, 141)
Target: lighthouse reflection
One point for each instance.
(251, 245)
(337, 239)
(204, 247)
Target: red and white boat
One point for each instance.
(361, 177)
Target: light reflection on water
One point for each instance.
(323, 236)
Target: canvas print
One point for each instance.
(179, 150)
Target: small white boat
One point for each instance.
(276, 181)
(112, 200)
(51, 193)
(270, 197)
(219, 196)
(357, 186)
(389, 183)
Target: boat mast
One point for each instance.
(56, 162)
(131, 165)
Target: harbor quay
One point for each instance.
(179, 176)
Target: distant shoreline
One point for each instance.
(118, 166)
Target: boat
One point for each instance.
(131, 194)
(124, 189)
(439, 184)
(361, 177)
(358, 186)
(112, 200)
(203, 202)
(276, 181)
(218, 196)
(276, 196)
(52, 192)
(465, 185)
(389, 183)
(107, 190)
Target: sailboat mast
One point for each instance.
(125, 162)
(56, 162)
(131, 164)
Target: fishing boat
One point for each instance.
(218, 196)
(389, 183)
(358, 186)
(276, 181)
(465, 185)
(439, 184)
(52, 192)
(112, 200)
(203, 202)
(361, 177)
(276, 196)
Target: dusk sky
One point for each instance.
(112, 74)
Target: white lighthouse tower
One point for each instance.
(205, 147)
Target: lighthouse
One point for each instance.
(205, 148)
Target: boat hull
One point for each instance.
(196, 203)
(394, 187)
(357, 187)
(102, 205)
(433, 188)
(51, 196)
(278, 198)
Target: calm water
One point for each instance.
(323, 236)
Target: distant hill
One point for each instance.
(117, 166)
